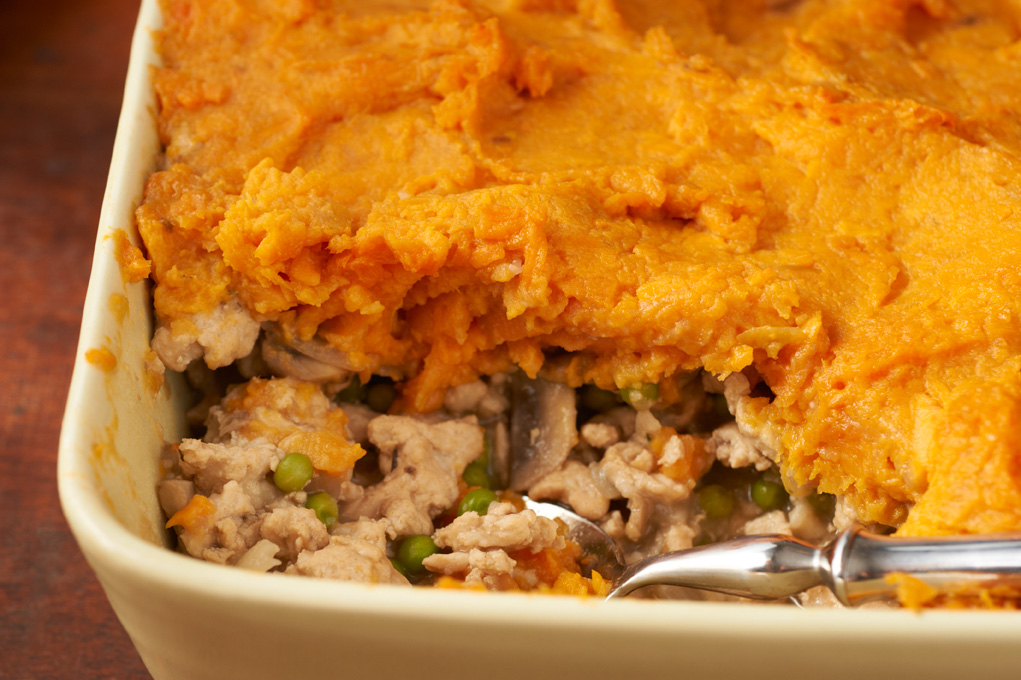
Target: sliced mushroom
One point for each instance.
(543, 429)
(499, 453)
(314, 360)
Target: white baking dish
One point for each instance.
(193, 620)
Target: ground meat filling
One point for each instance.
(355, 552)
(502, 527)
(481, 544)
(672, 473)
(221, 336)
(427, 462)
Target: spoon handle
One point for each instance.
(856, 564)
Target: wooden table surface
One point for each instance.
(62, 68)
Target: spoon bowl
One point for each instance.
(599, 551)
(855, 566)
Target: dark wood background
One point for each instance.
(62, 68)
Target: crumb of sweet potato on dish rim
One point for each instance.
(101, 358)
(134, 266)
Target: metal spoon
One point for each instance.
(767, 567)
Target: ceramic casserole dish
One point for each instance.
(195, 620)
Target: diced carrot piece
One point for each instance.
(330, 452)
(600, 586)
(660, 439)
(199, 508)
(451, 583)
(691, 464)
(569, 583)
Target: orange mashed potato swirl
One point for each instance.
(826, 191)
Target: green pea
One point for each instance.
(413, 550)
(476, 474)
(353, 392)
(324, 506)
(768, 495)
(293, 472)
(399, 567)
(716, 501)
(477, 500)
(823, 504)
(596, 399)
(380, 397)
(642, 397)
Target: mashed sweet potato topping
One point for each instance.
(825, 192)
